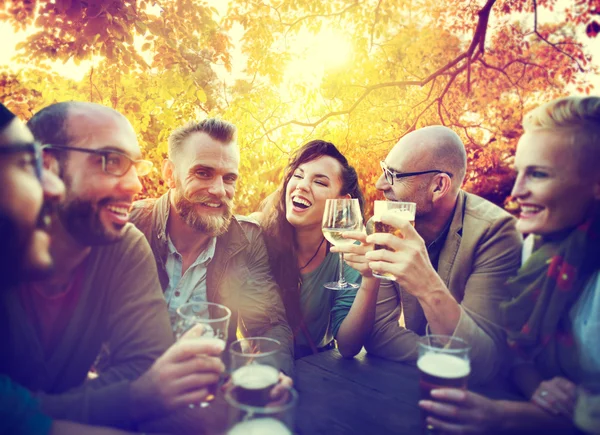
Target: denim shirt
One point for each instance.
(191, 286)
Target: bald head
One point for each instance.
(50, 125)
(433, 147)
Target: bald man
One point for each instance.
(104, 289)
(450, 269)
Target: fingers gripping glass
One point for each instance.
(32, 148)
(391, 175)
(341, 215)
(113, 162)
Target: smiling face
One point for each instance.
(97, 204)
(550, 188)
(24, 220)
(202, 178)
(311, 184)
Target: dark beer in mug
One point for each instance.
(440, 370)
(253, 384)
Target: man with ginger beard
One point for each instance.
(203, 252)
(103, 290)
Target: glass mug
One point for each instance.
(203, 321)
(405, 210)
(443, 362)
(277, 418)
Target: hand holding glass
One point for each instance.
(201, 321)
(405, 210)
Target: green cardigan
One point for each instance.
(122, 306)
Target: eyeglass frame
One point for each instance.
(399, 175)
(104, 155)
(29, 147)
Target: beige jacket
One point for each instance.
(482, 249)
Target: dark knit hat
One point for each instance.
(6, 116)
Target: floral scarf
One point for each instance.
(543, 292)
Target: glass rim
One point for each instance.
(395, 202)
(341, 199)
(262, 410)
(209, 304)
(261, 354)
(422, 343)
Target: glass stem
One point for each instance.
(342, 281)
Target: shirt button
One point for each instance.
(177, 294)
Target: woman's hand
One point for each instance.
(354, 255)
(556, 396)
(456, 411)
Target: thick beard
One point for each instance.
(213, 226)
(14, 254)
(82, 221)
(81, 218)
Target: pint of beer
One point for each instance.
(252, 384)
(443, 363)
(405, 210)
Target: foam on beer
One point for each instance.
(255, 376)
(444, 366)
(260, 426)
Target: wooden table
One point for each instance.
(363, 395)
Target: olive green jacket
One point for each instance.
(238, 276)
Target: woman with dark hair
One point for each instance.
(300, 257)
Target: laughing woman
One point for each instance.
(300, 258)
(553, 319)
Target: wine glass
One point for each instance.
(203, 321)
(341, 215)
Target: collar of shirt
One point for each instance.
(205, 256)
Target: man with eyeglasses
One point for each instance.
(104, 290)
(449, 270)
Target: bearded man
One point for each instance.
(103, 290)
(203, 253)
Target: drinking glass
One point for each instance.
(273, 419)
(405, 210)
(443, 363)
(341, 215)
(254, 366)
(587, 408)
(202, 321)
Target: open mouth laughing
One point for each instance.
(300, 203)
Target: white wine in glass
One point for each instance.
(340, 216)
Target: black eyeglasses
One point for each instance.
(391, 175)
(113, 162)
(32, 148)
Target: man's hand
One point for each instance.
(178, 378)
(462, 412)
(354, 255)
(407, 260)
(558, 396)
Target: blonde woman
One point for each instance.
(556, 293)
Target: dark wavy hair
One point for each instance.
(279, 233)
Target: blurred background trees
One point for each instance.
(359, 73)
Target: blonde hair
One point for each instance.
(579, 116)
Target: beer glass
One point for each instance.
(254, 365)
(587, 408)
(273, 419)
(443, 363)
(405, 210)
(339, 216)
(201, 321)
